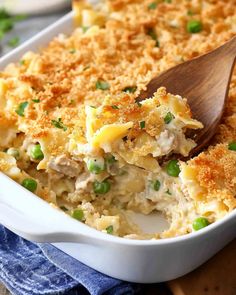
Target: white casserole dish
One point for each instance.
(142, 261)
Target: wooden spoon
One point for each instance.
(204, 81)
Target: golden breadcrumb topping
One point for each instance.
(216, 169)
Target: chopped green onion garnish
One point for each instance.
(194, 26)
(22, 62)
(36, 152)
(63, 208)
(232, 146)
(1, 35)
(72, 51)
(110, 159)
(122, 172)
(152, 5)
(130, 89)
(115, 107)
(84, 29)
(36, 100)
(21, 108)
(156, 185)
(59, 124)
(6, 25)
(153, 35)
(13, 42)
(200, 223)
(172, 168)
(168, 118)
(109, 229)
(101, 187)
(167, 1)
(96, 166)
(190, 12)
(168, 192)
(142, 124)
(102, 85)
(19, 17)
(78, 214)
(30, 184)
(14, 153)
(138, 103)
(3, 14)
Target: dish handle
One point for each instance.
(34, 219)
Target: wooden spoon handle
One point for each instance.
(229, 48)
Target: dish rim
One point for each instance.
(14, 55)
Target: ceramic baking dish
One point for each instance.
(143, 261)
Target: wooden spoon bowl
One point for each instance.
(204, 81)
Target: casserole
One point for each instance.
(73, 132)
(136, 261)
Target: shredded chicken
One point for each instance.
(66, 166)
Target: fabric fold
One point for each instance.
(27, 268)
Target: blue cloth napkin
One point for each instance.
(34, 269)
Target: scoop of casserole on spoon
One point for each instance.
(204, 81)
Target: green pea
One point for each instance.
(96, 166)
(78, 214)
(14, 153)
(156, 185)
(200, 223)
(101, 187)
(109, 229)
(30, 184)
(194, 26)
(172, 168)
(168, 118)
(232, 146)
(36, 152)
